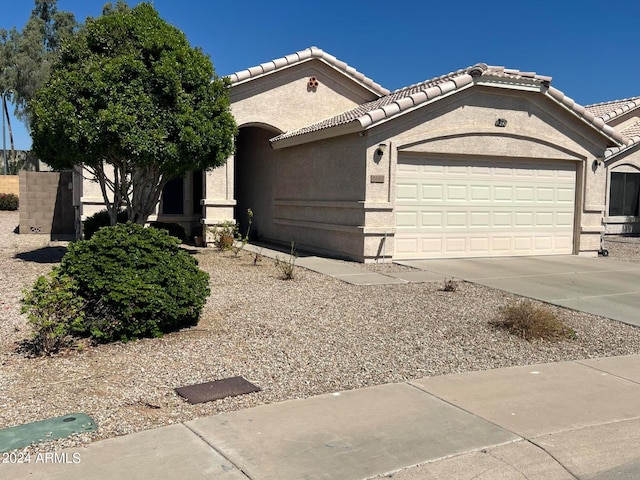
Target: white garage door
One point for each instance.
(481, 208)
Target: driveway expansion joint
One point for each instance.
(218, 451)
(555, 459)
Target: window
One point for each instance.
(624, 196)
(173, 197)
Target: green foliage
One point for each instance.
(55, 312)
(173, 229)
(26, 56)
(137, 282)
(287, 266)
(224, 235)
(101, 219)
(531, 322)
(129, 92)
(9, 201)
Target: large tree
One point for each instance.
(26, 56)
(132, 103)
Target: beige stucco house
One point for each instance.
(622, 215)
(484, 161)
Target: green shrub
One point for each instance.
(101, 219)
(137, 282)
(174, 229)
(530, 321)
(8, 201)
(55, 312)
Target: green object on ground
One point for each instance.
(21, 436)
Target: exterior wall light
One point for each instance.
(381, 148)
(598, 162)
(501, 122)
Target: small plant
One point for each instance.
(449, 285)
(55, 312)
(9, 201)
(257, 257)
(287, 266)
(242, 241)
(224, 235)
(530, 321)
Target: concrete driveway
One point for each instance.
(595, 285)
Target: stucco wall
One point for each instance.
(312, 194)
(283, 100)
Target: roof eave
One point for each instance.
(612, 153)
(596, 123)
(353, 126)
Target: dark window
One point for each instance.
(624, 196)
(173, 197)
(197, 191)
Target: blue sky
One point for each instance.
(589, 47)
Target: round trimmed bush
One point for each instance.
(136, 281)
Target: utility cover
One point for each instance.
(207, 392)
(51, 429)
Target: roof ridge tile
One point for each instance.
(301, 56)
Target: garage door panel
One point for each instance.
(480, 193)
(503, 193)
(432, 192)
(458, 208)
(407, 192)
(480, 219)
(524, 194)
(566, 195)
(431, 219)
(564, 219)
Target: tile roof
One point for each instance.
(610, 110)
(631, 131)
(607, 111)
(431, 90)
(303, 56)
(632, 134)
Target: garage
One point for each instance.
(483, 207)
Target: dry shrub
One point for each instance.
(530, 321)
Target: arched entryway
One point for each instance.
(253, 170)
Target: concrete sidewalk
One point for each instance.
(568, 420)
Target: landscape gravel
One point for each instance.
(307, 336)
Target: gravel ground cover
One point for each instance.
(308, 336)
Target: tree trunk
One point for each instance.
(147, 183)
(6, 114)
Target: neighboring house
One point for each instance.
(623, 165)
(484, 161)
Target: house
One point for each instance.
(622, 215)
(483, 161)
